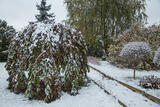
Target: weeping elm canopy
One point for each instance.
(46, 58)
(136, 51)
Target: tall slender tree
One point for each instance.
(43, 10)
(105, 18)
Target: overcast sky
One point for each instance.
(19, 12)
(153, 11)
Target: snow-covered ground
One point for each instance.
(128, 97)
(91, 96)
(88, 96)
(126, 75)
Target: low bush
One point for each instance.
(151, 82)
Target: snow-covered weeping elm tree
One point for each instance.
(46, 58)
(134, 52)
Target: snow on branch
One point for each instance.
(136, 51)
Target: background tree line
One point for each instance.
(103, 19)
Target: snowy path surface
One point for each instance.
(91, 96)
(126, 75)
(128, 97)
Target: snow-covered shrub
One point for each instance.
(150, 81)
(137, 32)
(46, 58)
(156, 58)
(134, 52)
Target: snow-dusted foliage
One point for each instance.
(136, 51)
(6, 32)
(43, 12)
(46, 58)
(156, 58)
(150, 81)
(136, 32)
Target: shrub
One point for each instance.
(134, 52)
(156, 58)
(97, 49)
(150, 81)
(46, 58)
(149, 35)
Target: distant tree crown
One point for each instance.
(43, 10)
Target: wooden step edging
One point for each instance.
(150, 97)
(120, 102)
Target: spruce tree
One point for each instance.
(43, 10)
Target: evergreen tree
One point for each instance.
(6, 32)
(43, 10)
(46, 58)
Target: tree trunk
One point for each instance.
(144, 65)
(134, 73)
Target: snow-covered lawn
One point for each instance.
(126, 75)
(91, 96)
